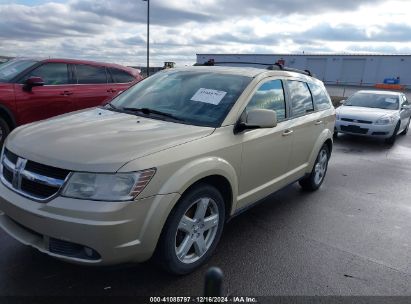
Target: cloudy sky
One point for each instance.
(115, 31)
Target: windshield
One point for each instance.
(193, 97)
(12, 68)
(367, 100)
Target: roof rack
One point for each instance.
(275, 66)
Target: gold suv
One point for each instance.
(160, 169)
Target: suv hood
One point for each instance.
(371, 114)
(98, 140)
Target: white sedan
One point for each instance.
(382, 114)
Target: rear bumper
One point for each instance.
(360, 129)
(87, 232)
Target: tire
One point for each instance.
(405, 131)
(185, 244)
(335, 134)
(4, 131)
(391, 140)
(314, 180)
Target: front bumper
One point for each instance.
(361, 129)
(70, 229)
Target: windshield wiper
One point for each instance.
(148, 111)
(112, 106)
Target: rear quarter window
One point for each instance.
(320, 97)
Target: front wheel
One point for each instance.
(405, 131)
(192, 230)
(391, 140)
(314, 180)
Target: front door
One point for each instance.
(54, 98)
(266, 151)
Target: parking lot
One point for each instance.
(347, 91)
(352, 237)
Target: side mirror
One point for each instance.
(405, 107)
(33, 81)
(342, 102)
(256, 119)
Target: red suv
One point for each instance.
(32, 90)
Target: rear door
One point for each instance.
(265, 151)
(119, 81)
(54, 98)
(91, 86)
(307, 124)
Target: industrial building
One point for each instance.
(354, 69)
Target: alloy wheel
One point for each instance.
(196, 230)
(321, 167)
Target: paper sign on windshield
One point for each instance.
(209, 96)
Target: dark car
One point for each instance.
(32, 90)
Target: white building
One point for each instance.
(366, 70)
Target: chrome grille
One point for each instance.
(31, 179)
(357, 120)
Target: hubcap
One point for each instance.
(197, 230)
(321, 167)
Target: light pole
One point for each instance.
(148, 37)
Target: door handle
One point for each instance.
(288, 132)
(318, 122)
(111, 90)
(66, 93)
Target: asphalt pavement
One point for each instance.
(352, 237)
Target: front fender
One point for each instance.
(322, 138)
(198, 169)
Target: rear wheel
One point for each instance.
(313, 181)
(405, 131)
(192, 230)
(391, 140)
(4, 131)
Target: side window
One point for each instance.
(120, 76)
(88, 74)
(321, 99)
(301, 101)
(269, 96)
(52, 73)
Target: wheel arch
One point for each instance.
(214, 171)
(222, 184)
(8, 116)
(324, 138)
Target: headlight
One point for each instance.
(107, 187)
(385, 120)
